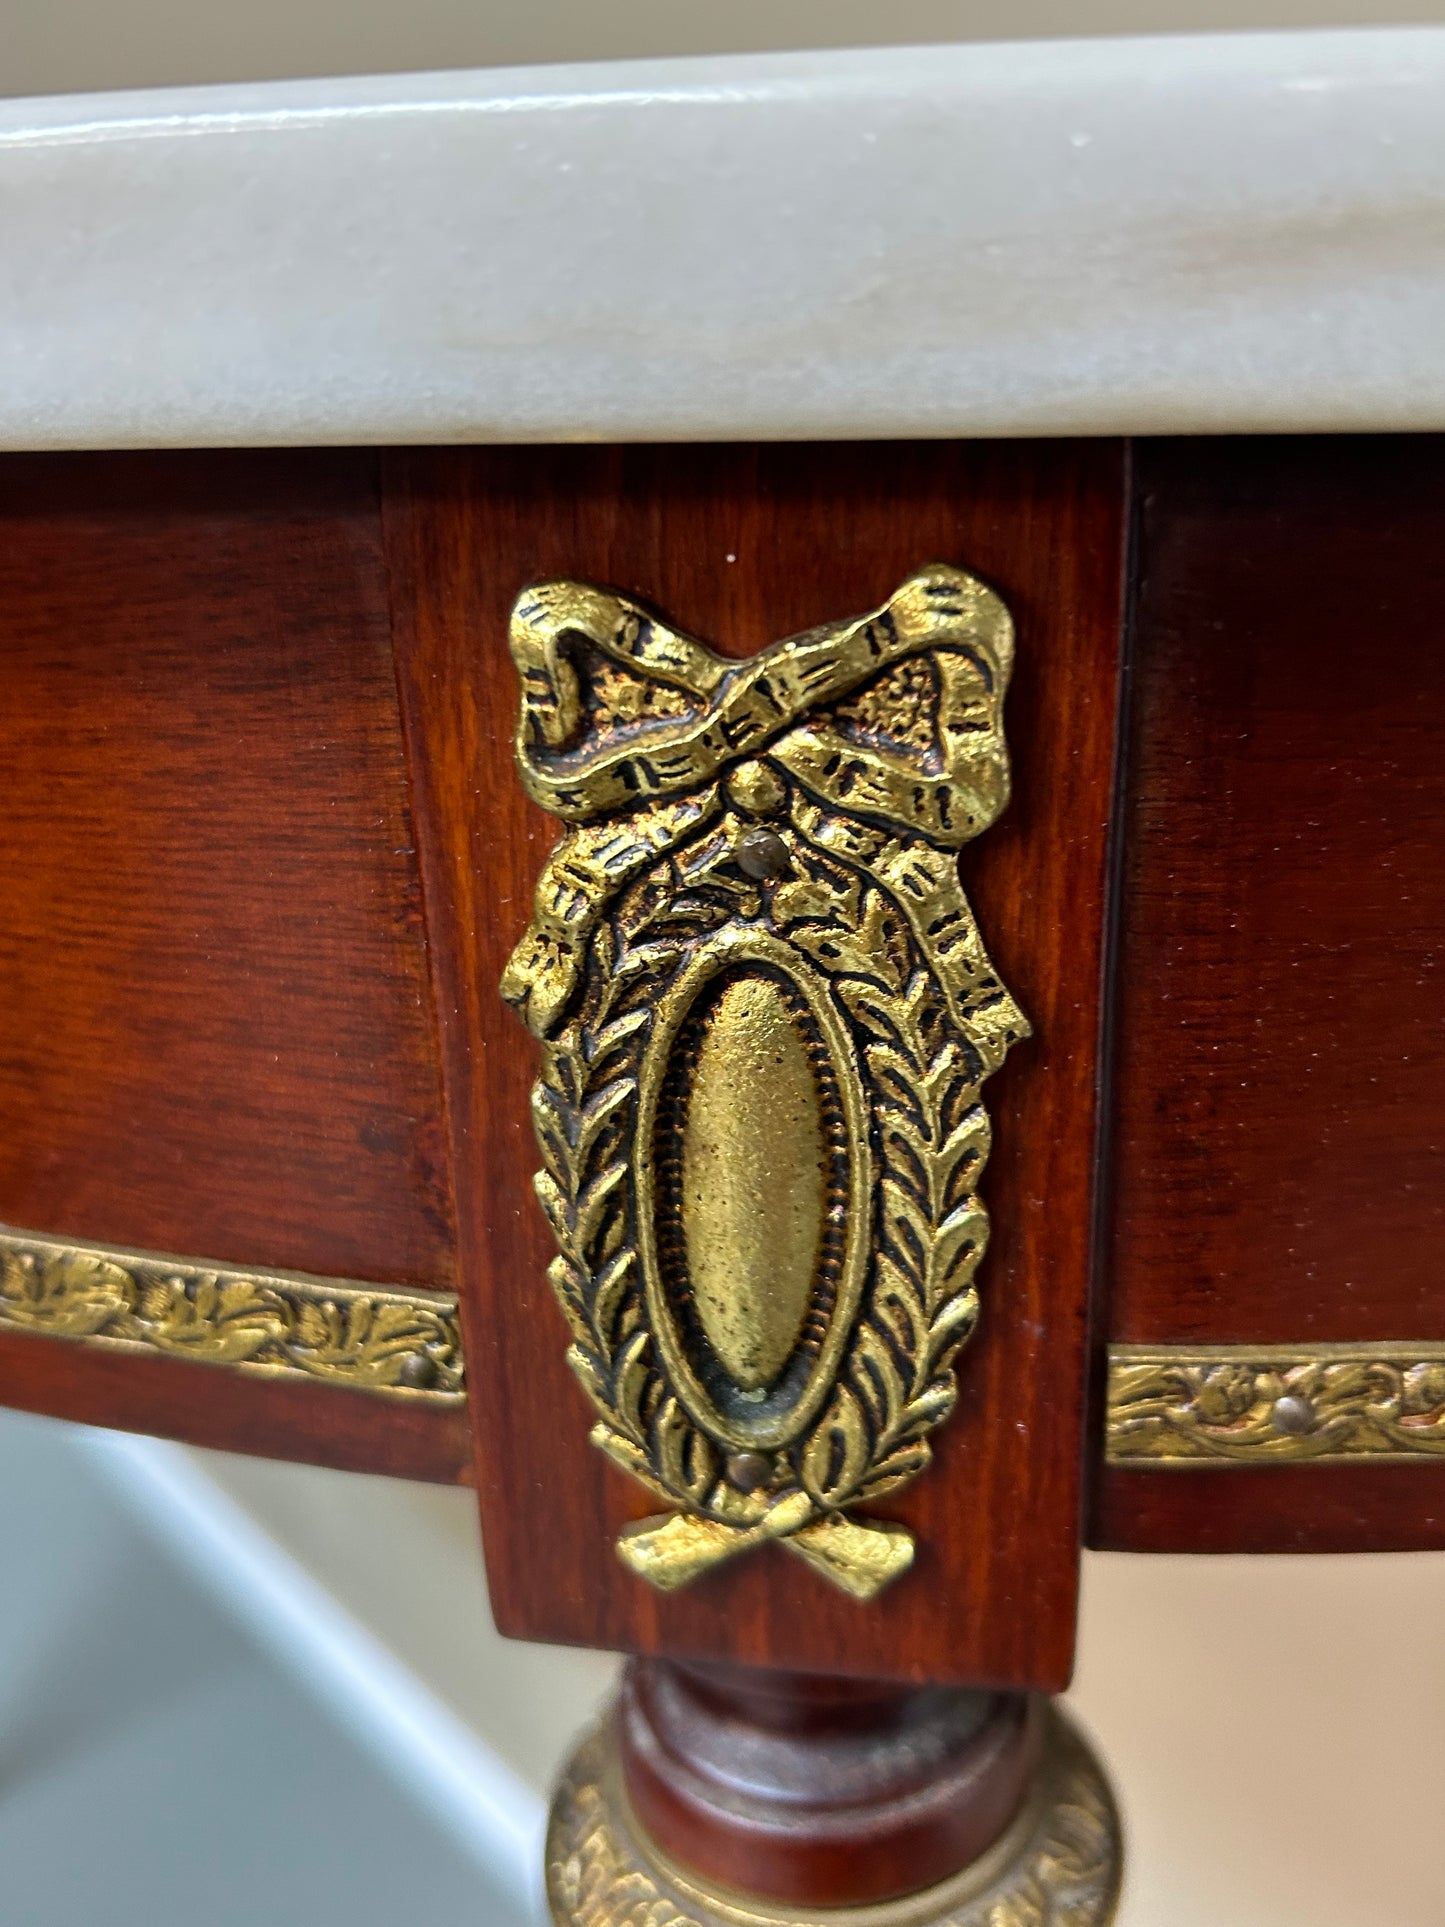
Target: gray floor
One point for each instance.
(154, 1768)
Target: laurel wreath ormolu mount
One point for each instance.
(766, 1016)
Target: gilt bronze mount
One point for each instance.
(1314, 1404)
(393, 1341)
(766, 1015)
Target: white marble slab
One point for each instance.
(1229, 233)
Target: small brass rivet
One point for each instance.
(1292, 1414)
(748, 1470)
(418, 1371)
(761, 854)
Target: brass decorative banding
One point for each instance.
(392, 1342)
(1222, 1405)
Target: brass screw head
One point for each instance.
(762, 854)
(748, 1470)
(1292, 1414)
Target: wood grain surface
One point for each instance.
(740, 546)
(819, 1792)
(215, 1025)
(269, 1418)
(215, 1033)
(1278, 1134)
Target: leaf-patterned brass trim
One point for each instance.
(392, 1342)
(1190, 1406)
(796, 816)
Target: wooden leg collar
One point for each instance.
(1058, 1864)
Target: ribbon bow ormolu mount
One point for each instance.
(766, 1016)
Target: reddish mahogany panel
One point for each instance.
(741, 546)
(215, 1027)
(820, 1792)
(1279, 1123)
(271, 1418)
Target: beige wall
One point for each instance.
(56, 46)
(1275, 1727)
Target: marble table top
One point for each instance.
(1224, 233)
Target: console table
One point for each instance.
(722, 812)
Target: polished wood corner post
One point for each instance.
(780, 1734)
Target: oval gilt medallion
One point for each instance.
(753, 1179)
(753, 1188)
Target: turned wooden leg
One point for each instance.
(732, 1795)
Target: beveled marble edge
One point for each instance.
(1224, 233)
